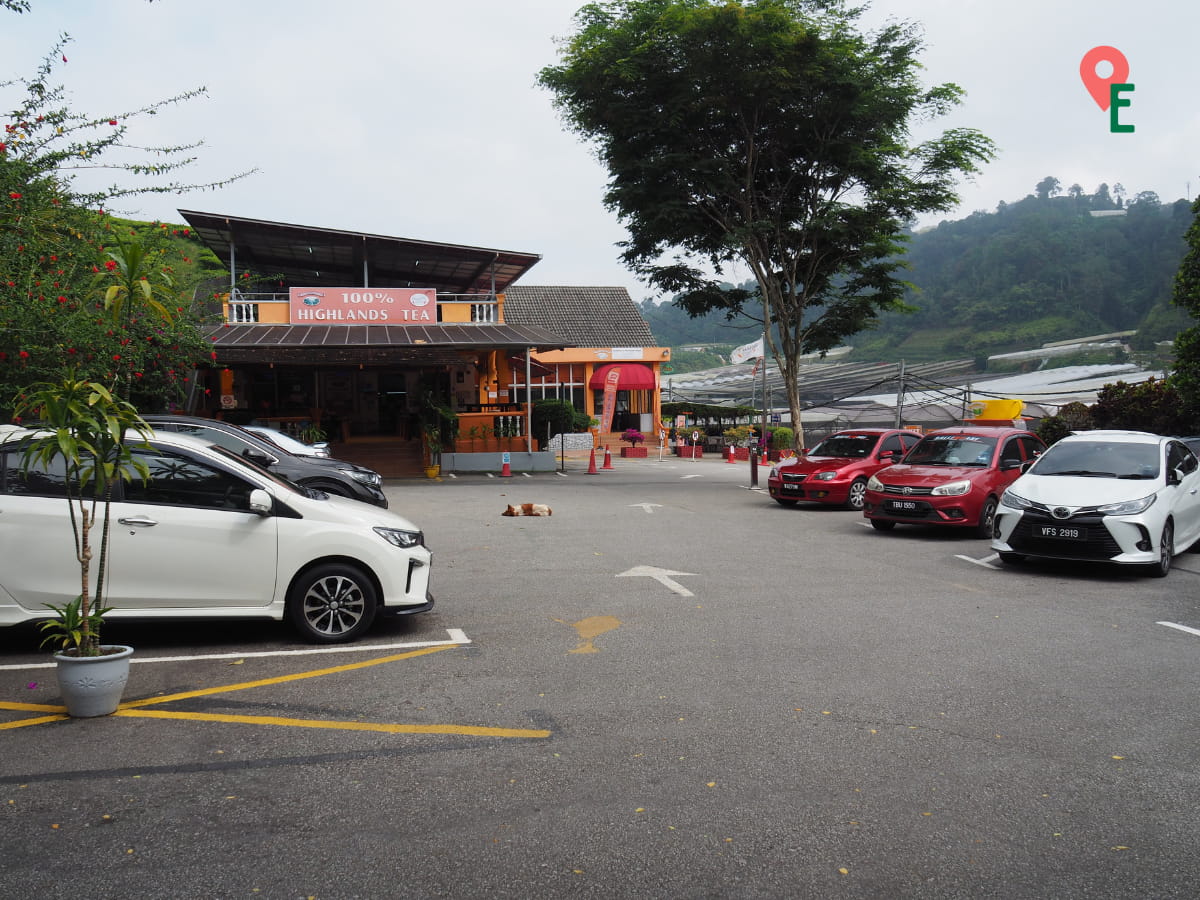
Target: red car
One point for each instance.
(952, 477)
(836, 470)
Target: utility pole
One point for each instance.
(900, 396)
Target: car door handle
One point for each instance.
(141, 521)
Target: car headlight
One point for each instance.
(1016, 501)
(1127, 507)
(953, 489)
(825, 476)
(364, 476)
(874, 484)
(401, 538)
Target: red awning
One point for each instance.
(634, 377)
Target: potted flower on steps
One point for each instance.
(633, 437)
(82, 428)
(433, 447)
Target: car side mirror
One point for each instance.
(888, 455)
(259, 456)
(260, 502)
(1025, 465)
(1175, 476)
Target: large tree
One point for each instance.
(1185, 376)
(770, 132)
(81, 291)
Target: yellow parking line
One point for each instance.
(136, 708)
(38, 721)
(31, 707)
(471, 730)
(281, 679)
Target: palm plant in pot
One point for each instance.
(81, 433)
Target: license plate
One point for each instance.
(903, 505)
(791, 487)
(1062, 532)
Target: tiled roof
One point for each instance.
(586, 316)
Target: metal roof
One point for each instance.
(339, 344)
(304, 256)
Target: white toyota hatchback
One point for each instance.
(211, 536)
(1113, 496)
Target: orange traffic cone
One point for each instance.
(506, 470)
(730, 457)
(592, 463)
(607, 459)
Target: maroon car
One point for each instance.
(836, 470)
(955, 476)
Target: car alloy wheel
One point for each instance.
(858, 493)
(332, 603)
(1166, 551)
(984, 528)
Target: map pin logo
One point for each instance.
(1099, 87)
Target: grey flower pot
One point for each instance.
(92, 685)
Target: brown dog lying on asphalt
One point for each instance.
(528, 509)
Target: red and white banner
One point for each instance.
(362, 306)
(610, 399)
(747, 352)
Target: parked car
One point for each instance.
(333, 476)
(289, 443)
(1125, 497)
(836, 470)
(210, 535)
(953, 477)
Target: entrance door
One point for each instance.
(394, 415)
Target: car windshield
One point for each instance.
(851, 446)
(1101, 459)
(281, 440)
(952, 450)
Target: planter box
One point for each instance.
(634, 452)
(693, 452)
(741, 453)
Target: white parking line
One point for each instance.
(1194, 631)
(457, 636)
(986, 562)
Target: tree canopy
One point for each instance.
(767, 132)
(82, 292)
(1186, 374)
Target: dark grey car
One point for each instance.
(333, 476)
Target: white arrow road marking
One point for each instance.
(986, 562)
(660, 575)
(1181, 628)
(648, 507)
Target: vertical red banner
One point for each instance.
(610, 399)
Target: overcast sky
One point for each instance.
(422, 120)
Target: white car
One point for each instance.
(212, 536)
(286, 442)
(1115, 496)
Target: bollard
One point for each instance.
(753, 467)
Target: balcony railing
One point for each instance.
(249, 308)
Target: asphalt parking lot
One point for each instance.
(672, 687)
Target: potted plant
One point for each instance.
(432, 436)
(83, 425)
(633, 437)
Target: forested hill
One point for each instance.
(1043, 269)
